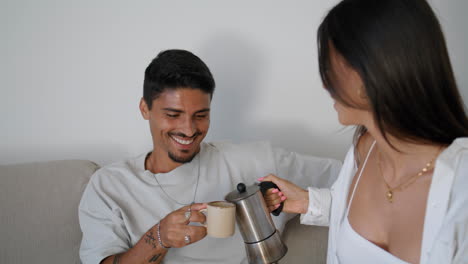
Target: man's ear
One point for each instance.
(145, 112)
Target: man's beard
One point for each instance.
(178, 159)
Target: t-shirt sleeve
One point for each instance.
(104, 232)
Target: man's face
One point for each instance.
(179, 120)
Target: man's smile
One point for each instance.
(183, 141)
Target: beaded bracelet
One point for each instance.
(159, 237)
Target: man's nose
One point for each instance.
(188, 127)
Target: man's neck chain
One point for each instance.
(194, 193)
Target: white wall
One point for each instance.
(71, 73)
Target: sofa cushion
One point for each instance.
(39, 211)
(306, 244)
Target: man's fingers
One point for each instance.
(175, 236)
(198, 206)
(184, 214)
(195, 206)
(197, 216)
(196, 233)
(175, 228)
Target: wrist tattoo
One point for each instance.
(116, 259)
(149, 239)
(154, 258)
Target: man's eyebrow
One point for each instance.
(203, 110)
(172, 110)
(180, 111)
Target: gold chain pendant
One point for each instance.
(390, 196)
(406, 183)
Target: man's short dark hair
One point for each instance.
(174, 69)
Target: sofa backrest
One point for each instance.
(39, 211)
(39, 216)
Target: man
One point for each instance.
(146, 209)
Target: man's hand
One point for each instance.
(296, 199)
(175, 230)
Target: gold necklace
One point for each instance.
(404, 184)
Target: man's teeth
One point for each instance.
(183, 142)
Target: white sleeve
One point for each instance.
(318, 212)
(104, 232)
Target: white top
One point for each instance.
(122, 201)
(352, 247)
(445, 234)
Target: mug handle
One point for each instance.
(264, 186)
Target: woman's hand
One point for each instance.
(296, 199)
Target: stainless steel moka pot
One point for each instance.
(262, 241)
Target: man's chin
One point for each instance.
(181, 159)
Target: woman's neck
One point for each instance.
(403, 158)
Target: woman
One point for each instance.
(400, 197)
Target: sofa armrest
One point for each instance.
(39, 211)
(306, 244)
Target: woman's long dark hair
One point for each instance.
(398, 49)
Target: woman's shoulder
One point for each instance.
(452, 175)
(455, 154)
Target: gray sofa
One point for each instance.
(39, 216)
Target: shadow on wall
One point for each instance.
(237, 68)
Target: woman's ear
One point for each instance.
(362, 92)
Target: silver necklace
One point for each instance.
(196, 186)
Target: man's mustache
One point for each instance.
(178, 134)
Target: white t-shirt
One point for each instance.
(445, 234)
(123, 200)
